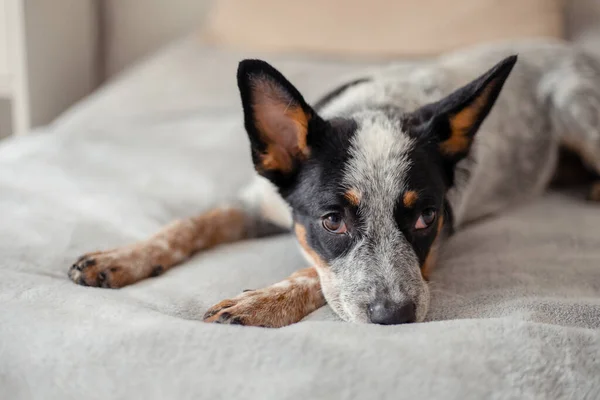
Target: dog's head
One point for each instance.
(367, 190)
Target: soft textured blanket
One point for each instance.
(516, 300)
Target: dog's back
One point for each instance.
(552, 98)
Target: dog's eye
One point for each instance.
(334, 223)
(426, 218)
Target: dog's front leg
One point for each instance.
(170, 246)
(281, 304)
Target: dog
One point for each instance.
(376, 175)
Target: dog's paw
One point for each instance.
(100, 269)
(263, 307)
(111, 269)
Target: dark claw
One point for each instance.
(101, 277)
(224, 317)
(209, 314)
(156, 271)
(89, 263)
(236, 321)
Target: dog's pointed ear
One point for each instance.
(455, 119)
(276, 118)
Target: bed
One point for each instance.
(516, 300)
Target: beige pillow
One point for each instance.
(378, 27)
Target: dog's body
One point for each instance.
(377, 174)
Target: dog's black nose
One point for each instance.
(388, 313)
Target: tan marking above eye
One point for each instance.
(410, 198)
(353, 196)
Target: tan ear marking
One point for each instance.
(276, 158)
(410, 198)
(282, 125)
(462, 122)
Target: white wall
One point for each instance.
(583, 23)
(64, 58)
(135, 28)
(61, 44)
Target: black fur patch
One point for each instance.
(425, 177)
(317, 191)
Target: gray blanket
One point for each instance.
(516, 300)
